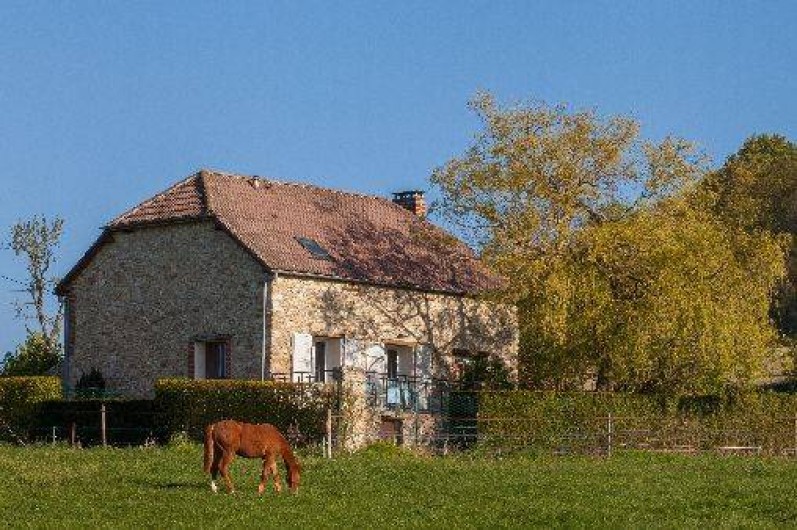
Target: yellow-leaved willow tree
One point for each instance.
(611, 253)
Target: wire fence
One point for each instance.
(439, 416)
(600, 435)
(442, 434)
(101, 425)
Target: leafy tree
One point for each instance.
(485, 371)
(608, 250)
(36, 240)
(756, 189)
(680, 301)
(33, 357)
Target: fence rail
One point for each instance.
(599, 435)
(441, 414)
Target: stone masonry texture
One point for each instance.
(146, 296)
(380, 314)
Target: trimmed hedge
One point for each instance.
(298, 410)
(21, 399)
(579, 421)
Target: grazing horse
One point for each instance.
(227, 438)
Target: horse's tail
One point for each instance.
(209, 447)
(292, 467)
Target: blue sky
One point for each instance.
(104, 104)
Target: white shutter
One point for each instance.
(376, 358)
(423, 359)
(350, 347)
(302, 356)
(199, 360)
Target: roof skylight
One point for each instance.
(313, 247)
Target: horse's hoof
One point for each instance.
(213, 487)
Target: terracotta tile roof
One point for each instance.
(184, 200)
(369, 239)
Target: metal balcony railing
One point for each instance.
(383, 391)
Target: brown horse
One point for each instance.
(227, 438)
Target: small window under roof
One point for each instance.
(314, 248)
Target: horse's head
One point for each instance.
(294, 474)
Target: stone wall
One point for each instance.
(378, 315)
(147, 295)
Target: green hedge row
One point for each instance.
(21, 400)
(32, 407)
(297, 410)
(580, 421)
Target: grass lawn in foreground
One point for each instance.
(60, 487)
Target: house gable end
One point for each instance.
(107, 238)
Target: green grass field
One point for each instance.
(59, 487)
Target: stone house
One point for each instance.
(228, 276)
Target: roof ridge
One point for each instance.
(152, 199)
(300, 185)
(373, 239)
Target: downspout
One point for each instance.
(268, 309)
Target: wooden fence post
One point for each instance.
(329, 433)
(72, 434)
(611, 432)
(102, 426)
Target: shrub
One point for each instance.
(298, 410)
(579, 420)
(486, 372)
(35, 356)
(21, 399)
(91, 384)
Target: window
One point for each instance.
(216, 360)
(314, 248)
(392, 364)
(211, 359)
(399, 361)
(315, 358)
(320, 361)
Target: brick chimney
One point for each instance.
(412, 201)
